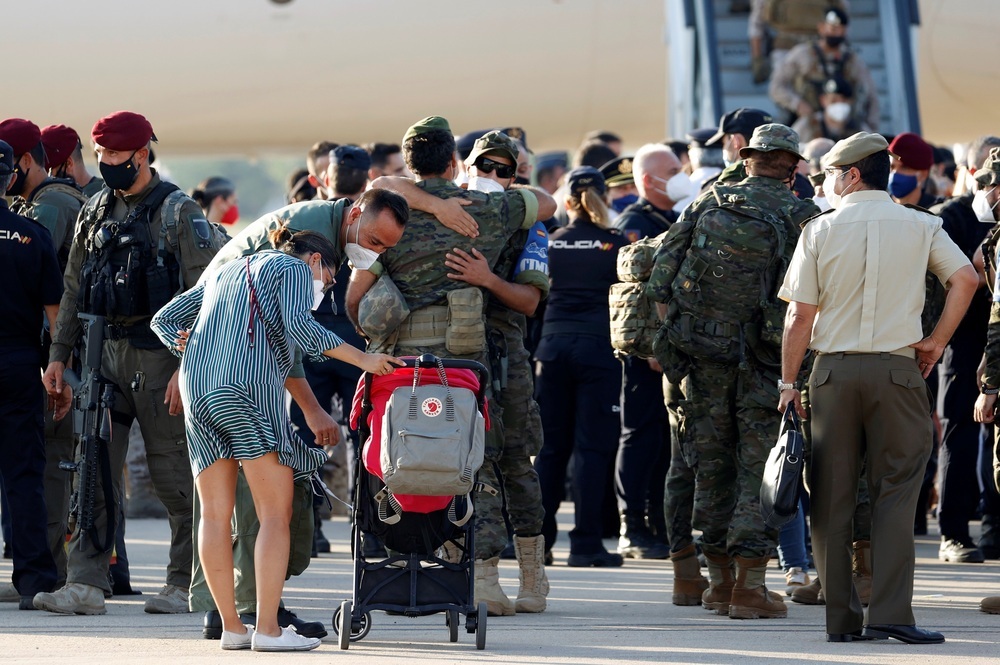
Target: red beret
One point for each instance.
(60, 141)
(913, 151)
(22, 135)
(122, 130)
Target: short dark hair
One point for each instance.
(376, 200)
(380, 153)
(777, 164)
(321, 149)
(212, 188)
(594, 153)
(38, 154)
(429, 154)
(347, 180)
(298, 187)
(874, 170)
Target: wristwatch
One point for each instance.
(782, 386)
(988, 390)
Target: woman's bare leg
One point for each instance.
(217, 490)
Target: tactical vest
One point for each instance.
(722, 299)
(64, 185)
(127, 271)
(634, 321)
(794, 21)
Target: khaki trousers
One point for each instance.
(877, 403)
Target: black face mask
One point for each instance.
(61, 172)
(17, 184)
(120, 176)
(833, 41)
(518, 180)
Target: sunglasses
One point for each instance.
(487, 165)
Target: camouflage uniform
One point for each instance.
(55, 204)
(989, 177)
(416, 266)
(727, 420)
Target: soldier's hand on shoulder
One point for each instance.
(451, 213)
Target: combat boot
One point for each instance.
(534, 586)
(990, 605)
(751, 599)
(810, 594)
(720, 584)
(74, 598)
(689, 583)
(637, 541)
(861, 570)
(989, 541)
(9, 593)
(488, 588)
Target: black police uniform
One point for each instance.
(29, 271)
(644, 448)
(578, 380)
(957, 389)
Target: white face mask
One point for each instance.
(838, 111)
(360, 257)
(982, 207)
(318, 293)
(828, 189)
(679, 186)
(485, 185)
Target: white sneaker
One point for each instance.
(289, 640)
(795, 578)
(237, 641)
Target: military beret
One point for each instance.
(990, 173)
(122, 130)
(913, 151)
(465, 142)
(22, 135)
(494, 141)
(351, 157)
(741, 121)
(770, 137)
(518, 134)
(703, 138)
(583, 177)
(853, 149)
(602, 136)
(60, 141)
(6, 158)
(836, 16)
(618, 172)
(428, 124)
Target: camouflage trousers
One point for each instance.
(522, 426)
(491, 531)
(728, 423)
(678, 500)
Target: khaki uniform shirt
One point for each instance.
(863, 266)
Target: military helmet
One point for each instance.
(773, 136)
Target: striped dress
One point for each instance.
(232, 382)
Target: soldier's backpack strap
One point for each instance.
(66, 186)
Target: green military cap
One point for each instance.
(428, 124)
(990, 173)
(773, 136)
(853, 149)
(495, 141)
(382, 309)
(618, 172)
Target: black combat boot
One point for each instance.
(637, 541)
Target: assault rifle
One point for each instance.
(93, 398)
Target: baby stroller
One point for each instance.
(413, 581)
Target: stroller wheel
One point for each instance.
(481, 628)
(451, 620)
(343, 624)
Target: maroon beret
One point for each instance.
(913, 151)
(22, 135)
(122, 130)
(60, 141)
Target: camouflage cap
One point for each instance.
(382, 310)
(495, 141)
(773, 136)
(853, 149)
(989, 175)
(428, 124)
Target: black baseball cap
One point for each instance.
(6, 158)
(351, 157)
(741, 121)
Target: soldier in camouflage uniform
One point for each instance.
(64, 152)
(718, 273)
(54, 203)
(417, 267)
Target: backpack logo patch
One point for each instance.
(431, 407)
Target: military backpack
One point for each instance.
(634, 320)
(722, 297)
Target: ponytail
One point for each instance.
(590, 205)
(303, 243)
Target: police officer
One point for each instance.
(32, 283)
(578, 380)
(138, 242)
(64, 152)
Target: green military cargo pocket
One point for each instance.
(466, 333)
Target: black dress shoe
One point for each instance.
(596, 560)
(287, 618)
(212, 627)
(856, 636)
(908, 634)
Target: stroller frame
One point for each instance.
(397, 583)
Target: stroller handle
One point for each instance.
(430, 361)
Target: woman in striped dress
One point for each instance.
(237, 332)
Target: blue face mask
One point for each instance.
(900, 184)
(622, 202)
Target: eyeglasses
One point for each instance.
(487, 165)
(333, 279)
